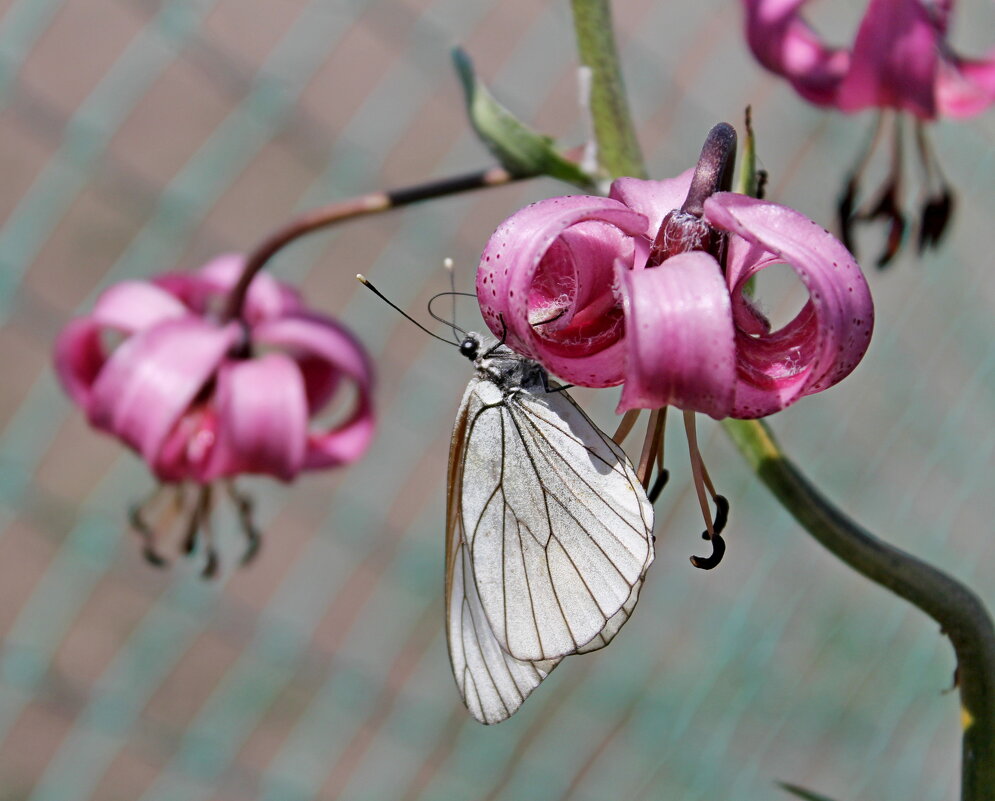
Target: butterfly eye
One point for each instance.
(469, 347)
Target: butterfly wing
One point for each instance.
(493, 683)
(557, 523)
(548, 537)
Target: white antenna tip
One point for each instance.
(361, 278)
(447, 263)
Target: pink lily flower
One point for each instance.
(645, 289)
(566, 281)
(899, 61)
(202, 400)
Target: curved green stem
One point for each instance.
(960, 613)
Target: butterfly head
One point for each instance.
(470, 346)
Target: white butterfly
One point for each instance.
(548, 533)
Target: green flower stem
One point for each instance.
(618, 147)
(960, 613)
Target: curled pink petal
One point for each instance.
(150, 380)
(544, 283)
(206, 291)
(263, 418)
(317, 339)
(125, 308)
(785, 44)
(966, 87)
(132, 306)
(827, 338)
(679, 336)
(79, 357)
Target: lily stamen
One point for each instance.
(137, 518)
(189, 542)
(244, 509)
(662, 474)
(697, 472)
(210, 569)
(703, 483)
(650, 447)
(938, 206)
(846, 206)
(172, 506)
(625, 426)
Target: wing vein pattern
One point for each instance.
(548, 537)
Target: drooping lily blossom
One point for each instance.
(203, 400)
(901, 62)
(645, 288)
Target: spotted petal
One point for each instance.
(827, 338)
(679, 336)
(544, 283)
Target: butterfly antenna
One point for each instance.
(363, 280)
(447, 264)
(457, 331)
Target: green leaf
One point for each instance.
(802, 793)
(747, 182)
(521, 150)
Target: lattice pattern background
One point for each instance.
(142, 135)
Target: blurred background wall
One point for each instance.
(143, 135)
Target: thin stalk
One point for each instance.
(959, 612)
(334, 213)
(618, 147)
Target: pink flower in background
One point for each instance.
(202, 400)
(899, 61)
(645, 288)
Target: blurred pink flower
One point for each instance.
(203, 400)
(900, 62)
(568, 279)
(900, 59)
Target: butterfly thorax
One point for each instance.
(512, 372)
(504, 368)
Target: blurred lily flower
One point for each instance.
(899, 62)
(645, 289)
(203, 400)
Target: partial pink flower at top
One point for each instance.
(900, 61)
(645, 288)
(203, 400)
